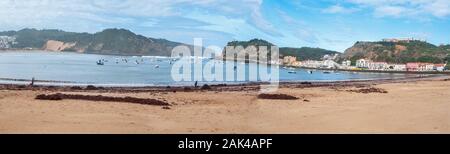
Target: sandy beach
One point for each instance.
(414, 106)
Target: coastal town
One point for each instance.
(328, 62)
(7, 41)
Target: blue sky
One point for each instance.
(329, 24)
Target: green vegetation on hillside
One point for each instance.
(254, 42)
(32, 38)
(109, 41)
(304, 53)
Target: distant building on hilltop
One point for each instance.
(378, 66)
(395, 40)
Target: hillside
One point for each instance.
(398, 52)
(304, 53)
(108, 41)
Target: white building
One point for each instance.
(377, 66)
(439, 67)
(311, 63)
(288, 60)
(400, 40)
(330, 57)
(363, 63)
(346, 63)
(329, 64)
(423, 66)
(7, 41)
(296, 64)
(399, 67)
(429, 67)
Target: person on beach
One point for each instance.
(32, 81)
(196, 84)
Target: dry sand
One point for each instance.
(412, 107)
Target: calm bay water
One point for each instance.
(81, 69)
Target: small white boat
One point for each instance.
(100, 62)
(156, 66)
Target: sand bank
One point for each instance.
(413, 106)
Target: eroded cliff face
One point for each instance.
(53, 45)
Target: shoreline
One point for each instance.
(253, 86)
(380, 71)
(414, 105)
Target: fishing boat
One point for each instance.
(292, 72)
(156, 66)
(326, 72)
(100, 62)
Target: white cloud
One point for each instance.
(439, 8)
(394, 11)
(339, 9)
(407, 8)
(93, 15)
(298, 29)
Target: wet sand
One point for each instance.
(406, 106)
